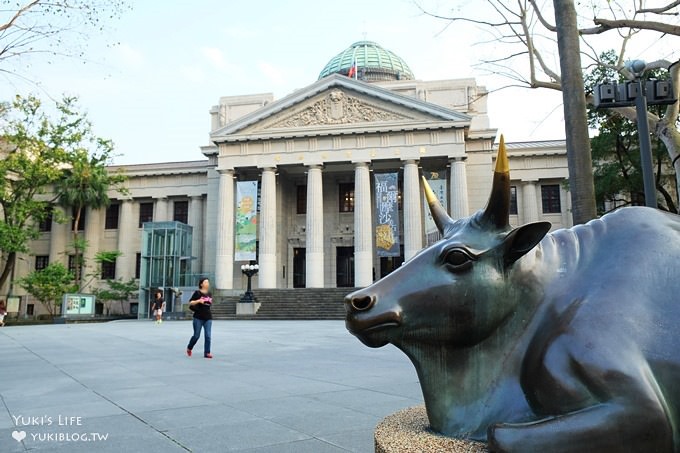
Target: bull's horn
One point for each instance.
(497, 211)
(441, 218)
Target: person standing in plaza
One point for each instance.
(200, 304)
(158, 306)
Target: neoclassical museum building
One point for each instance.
(321, 188)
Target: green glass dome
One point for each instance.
(374, 63)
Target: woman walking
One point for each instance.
(158, 306)
(200, 304)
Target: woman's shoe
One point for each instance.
(208, 356)
(189, 352)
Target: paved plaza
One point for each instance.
(127, 386)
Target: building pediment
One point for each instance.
(336, 107)
(337, 103)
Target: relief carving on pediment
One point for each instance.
(337, 108)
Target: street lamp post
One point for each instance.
(637, 93)
(645, 143)
(249, 270)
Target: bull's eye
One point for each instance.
(457, 260)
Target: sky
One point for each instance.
(149, 80)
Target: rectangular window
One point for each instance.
(346, 197)
(81, 220)
(45, 224)
(109, 270)
(41, 262)
(145, 213)
(180, 211)
(302, 199)
(30, 309)
(72, 266)
(550, 197)
(513, 200)
(138, 265)
(112, 212)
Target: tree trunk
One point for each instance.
(581, 185)
(7, 271)
(76, 249)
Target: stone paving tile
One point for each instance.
(277, 386)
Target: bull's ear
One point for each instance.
(521, 240)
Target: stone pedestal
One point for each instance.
(247, 308)
(407, 431)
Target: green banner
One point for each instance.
(246, 221)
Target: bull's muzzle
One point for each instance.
(358, 302)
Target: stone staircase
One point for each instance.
(298, 303)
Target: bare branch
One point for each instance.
(18, 14)
(604, 25)
(540, 17)
(660, 10)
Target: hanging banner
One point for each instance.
(437, 181)
(245, 233)
(386, 214)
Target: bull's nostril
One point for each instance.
(362, 303)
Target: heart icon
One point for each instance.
(19, 435)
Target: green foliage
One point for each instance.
(117, 291)
(32, 157)
(616, 151)
(49, 285)
(85, 182)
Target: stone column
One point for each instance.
(93, 232)
(224, 262)
(530, 202)
(459, 192)
(413, 222)
(267, 221)
(161, 210)
(59, 238)
(127, 228)
(196, 221)
(363, 226)
(314, 229)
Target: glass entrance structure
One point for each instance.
(165, 264)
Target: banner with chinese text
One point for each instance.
(387, 214)
(437, 181)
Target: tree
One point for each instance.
(86, 182)
(51, 28)
(48, 285)
(33, 154)
(616, 150)
(575, 118)
(117, 290)
(526, 36)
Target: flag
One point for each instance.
(353, 70)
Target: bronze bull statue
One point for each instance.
(537, 342)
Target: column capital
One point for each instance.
(410, 161)
(160, 197)
(458, 159)
(529, 181)
(360, 163)
(315, 166)
(267, 167)
(196, 197)
(225, 171)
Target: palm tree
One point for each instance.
(86, 185)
